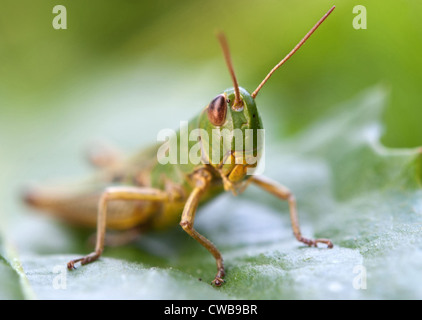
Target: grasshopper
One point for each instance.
(140, 193)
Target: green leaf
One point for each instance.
(349, 188)
(9, 282)
(14, 284)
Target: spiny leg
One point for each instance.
(110, 194)
(284, 193)
(202, 179)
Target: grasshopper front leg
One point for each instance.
(110, 194)
(202, 180)
(284, 193)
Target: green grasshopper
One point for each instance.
(140, 193)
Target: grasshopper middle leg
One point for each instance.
(284, 193)
(110, 194)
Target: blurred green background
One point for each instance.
(125, 69)
(41, 66)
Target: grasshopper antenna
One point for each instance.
(255, 93)
(237, 104)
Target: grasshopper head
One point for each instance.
(232, 143)
(232, 117)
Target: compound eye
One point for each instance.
(217, 110)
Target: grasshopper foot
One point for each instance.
(84, 260)
(218, 281)
(314, 243)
